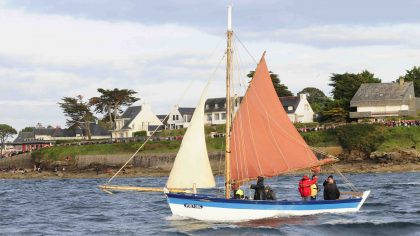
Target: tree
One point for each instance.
(332, 111)
(346, 85)
(28, 129)
(316, 98)
(281, 89)
(78, 113)
(6, 131)
(413, 75)
(111, 101)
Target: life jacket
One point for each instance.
(314, 190)
(240, 193)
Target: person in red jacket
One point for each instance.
(305, 187)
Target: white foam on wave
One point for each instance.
(174, 218)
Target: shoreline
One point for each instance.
(347, 168)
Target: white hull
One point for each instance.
(206, 212)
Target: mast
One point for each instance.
(228, 102)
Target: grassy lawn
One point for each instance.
(60, 152)
(401, 138)
(394, 139)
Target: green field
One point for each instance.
(355, 136)
(60, 152)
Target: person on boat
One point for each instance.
(238, 193)
(331, 191)
(305, 187)
(259, 189)
(269, 193)
(314, 189)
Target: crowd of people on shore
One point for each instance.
(391, 123)
(308, 189)
(405, 123)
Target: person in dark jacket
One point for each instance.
(331, 191)
(259, 189)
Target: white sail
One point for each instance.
(192, 165)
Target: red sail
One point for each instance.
(263, 140)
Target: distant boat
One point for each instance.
(261, 141)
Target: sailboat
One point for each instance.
(260, 141)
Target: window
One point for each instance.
(306, 107)
(207, 106)
(175, 117)
(209, 117)
(216, 116)
(224, 105)
(290, 108)
(216, 105)
(223, 115)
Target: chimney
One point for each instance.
(302, 96)
(401, 81)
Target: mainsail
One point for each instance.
(192, 165)
(263, 140)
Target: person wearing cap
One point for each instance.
(331, 191)
(305, 187)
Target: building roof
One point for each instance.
(163, 118)
(96, 130)
(44, 131)
(290, 101)
(383, 94)
(23, 136)
(152, 128)
(131, 112)
(186, 110)
(211, 104)
(129, 115)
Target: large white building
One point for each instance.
(134, 119)
(179, 117)
(215, 110)
(376, 101)
(298, 109)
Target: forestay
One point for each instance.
(263, 141)
(192, 165)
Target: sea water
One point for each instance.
(78, 207)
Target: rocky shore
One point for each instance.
(353, 167)
(151, 165)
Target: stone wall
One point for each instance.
(20, 161)
(161, 160)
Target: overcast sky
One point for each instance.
(166, 50)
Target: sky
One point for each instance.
(167, 50)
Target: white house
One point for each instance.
(215, 110)
(298, 108)
(134, 119)
(377, 101)
(179, 117)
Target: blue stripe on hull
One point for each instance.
(206, 201)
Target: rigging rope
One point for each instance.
(346, 181)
